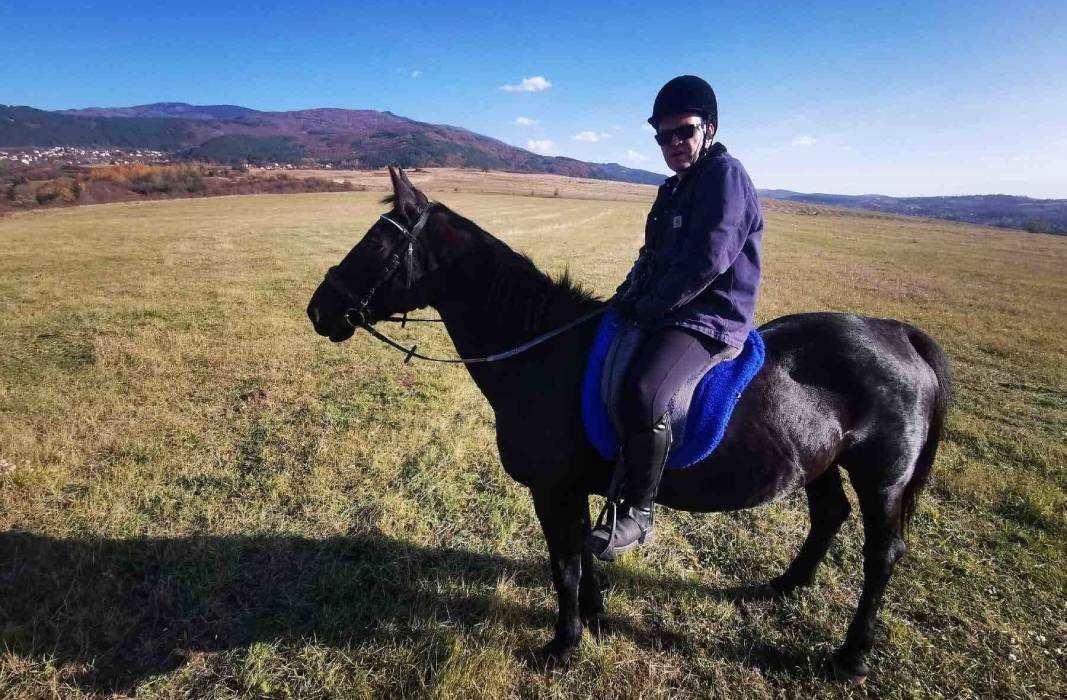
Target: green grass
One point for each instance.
(199, 497)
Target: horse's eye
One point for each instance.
(372, 247)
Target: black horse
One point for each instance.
(836, 391)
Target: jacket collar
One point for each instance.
(716, 150)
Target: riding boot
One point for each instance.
(622, 526)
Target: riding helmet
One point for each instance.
(686, 93)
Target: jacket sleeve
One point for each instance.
(640, 262)
(624, 288)
(716, 234)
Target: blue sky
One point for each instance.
(902, 98)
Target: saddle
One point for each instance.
(697, 426)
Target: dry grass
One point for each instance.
(448, 181)
(201, 498)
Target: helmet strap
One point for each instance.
(708, 140)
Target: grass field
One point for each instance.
(200, 498)
(443, 182)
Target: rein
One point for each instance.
(408, 354)
(357, 315)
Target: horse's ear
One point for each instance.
(398, 182)
(405, 196)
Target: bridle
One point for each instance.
(358, 315)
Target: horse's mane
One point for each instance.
(519, 289)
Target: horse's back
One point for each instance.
(883, 363)
(831, 386)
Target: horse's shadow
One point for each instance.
(130, 609)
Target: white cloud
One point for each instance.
(803, 140)
(633, 155)
(591, 136)
(648, 127)
(525, 121)
(542, 146)
(535, 84)
(416, 73)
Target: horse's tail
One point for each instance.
(935, 357)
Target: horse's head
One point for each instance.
(384, 273)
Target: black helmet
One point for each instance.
(686, 93)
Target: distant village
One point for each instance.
(75, 155)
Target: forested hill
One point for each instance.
(339, 137)
(369, 139)
(1006, 211)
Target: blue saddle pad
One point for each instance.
(713, 399)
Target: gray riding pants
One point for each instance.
(665, 372)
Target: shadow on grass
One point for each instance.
(135, 608)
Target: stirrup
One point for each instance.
(610, 510)
(609, 513)
(604, 548)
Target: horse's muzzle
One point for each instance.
(340, 335)
(341, 332)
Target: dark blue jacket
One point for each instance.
(700, 265)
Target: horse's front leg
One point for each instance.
(590, 596)
(564, 516)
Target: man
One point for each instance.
(693, 288)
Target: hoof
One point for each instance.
(769, 591)
(557, 653)
(853, 673)
(783, 588)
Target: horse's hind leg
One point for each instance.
(883, 546)
(828, 508)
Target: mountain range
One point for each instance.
(367, 139)
(1006, 211)
(349, 138)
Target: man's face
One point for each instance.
(681, 154)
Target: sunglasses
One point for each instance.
(683, 132)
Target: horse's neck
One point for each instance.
(497, 300)
(481, 310)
